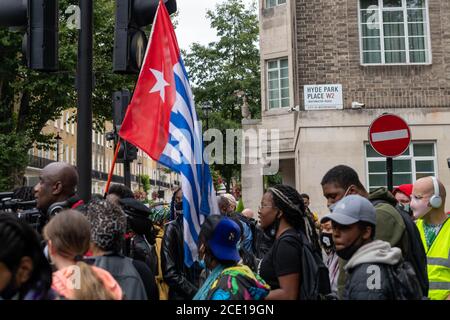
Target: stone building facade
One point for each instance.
(387, 55)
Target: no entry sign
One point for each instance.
(389, 135)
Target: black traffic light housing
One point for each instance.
(130, 41)
(127, 151)
(40, 18)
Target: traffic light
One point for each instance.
(127, 151)
(130, 41)
(40, 18)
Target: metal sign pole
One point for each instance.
(389, 171)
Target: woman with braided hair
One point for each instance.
(282, 216)
(68, 235)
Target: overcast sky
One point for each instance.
(193, 26)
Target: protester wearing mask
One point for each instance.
(183, 281)
(370, 262)
(403, 195)
(330, 257)
(428, 207)
(342, 181)
(282, 215)
(25, 273)
(228, 279)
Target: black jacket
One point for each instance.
(182, 281)
(356, 287)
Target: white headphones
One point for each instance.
(435, 200)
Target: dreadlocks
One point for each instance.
(290, 202)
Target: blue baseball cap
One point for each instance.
(225, 237)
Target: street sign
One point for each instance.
(389, 135)
(323, 97)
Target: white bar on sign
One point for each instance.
(389, 135)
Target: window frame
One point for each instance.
(410, 157)
(278, 60)
(277, 4)
(427, 35)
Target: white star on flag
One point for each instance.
(160, 83)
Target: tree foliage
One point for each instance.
(222, 68)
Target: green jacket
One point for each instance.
(390, 227)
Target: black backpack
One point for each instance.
(314, 277)
(404, 282)
(416, 256)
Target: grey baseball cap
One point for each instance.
(350, 210)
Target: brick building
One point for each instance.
(388, 55)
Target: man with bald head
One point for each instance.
(428, 207)
(56, 189)
(248, 213)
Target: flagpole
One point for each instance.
(111, 170)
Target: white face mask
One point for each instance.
(419, 207)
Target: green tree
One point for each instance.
(28, 99)
(145, 180)
(220, 69)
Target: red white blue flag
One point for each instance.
(161, 120)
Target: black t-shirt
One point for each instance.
(282, 259)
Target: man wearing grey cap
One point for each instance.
(371, 263)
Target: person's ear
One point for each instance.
(367, 232)
(279, 214)
(57, 188)
(51, 248)
(352, 190)
(24, 271)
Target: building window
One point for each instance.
(274, 3)
(67, 155)
(278, 83)
(418, 161)
(394, 32)
(67, 122)
(72, 151)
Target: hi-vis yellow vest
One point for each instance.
(438, 261)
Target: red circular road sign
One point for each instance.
(389, 135)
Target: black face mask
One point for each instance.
(348, 252)
(271, 230)
(326, 240)
(179, 206)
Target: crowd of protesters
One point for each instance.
(373, 245)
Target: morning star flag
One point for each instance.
(161, 120)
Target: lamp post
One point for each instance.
(206, 108)
(139, 174)
(58, 138)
